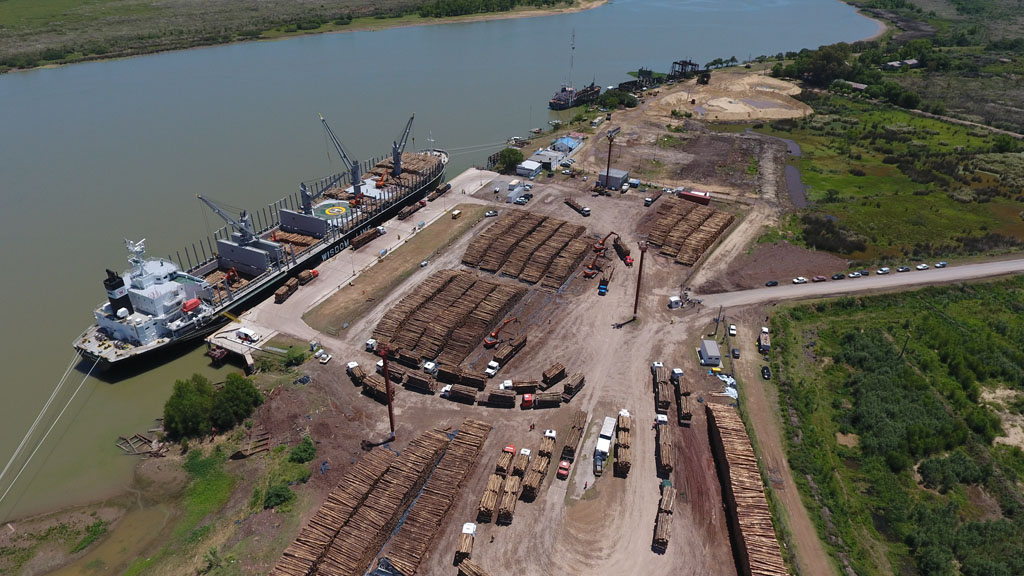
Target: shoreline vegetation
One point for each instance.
(91, 49)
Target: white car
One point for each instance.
(732, 329)
(325, 358)
(799, 280)
(921, 266)
(941, 264)
(853, 275)
(566, 172)
(883, 271)
(491, 213)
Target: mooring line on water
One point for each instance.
(48, 430)
(39, 418)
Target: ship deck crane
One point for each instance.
(398, 147)
(491, 340)
(243, 225)
(351, 165)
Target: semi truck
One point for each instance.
(604, 444)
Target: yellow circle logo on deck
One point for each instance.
(335, 211)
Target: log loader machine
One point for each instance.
(491, 340)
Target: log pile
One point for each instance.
(519, 464)
(663, 392)
(572, 441)
(510, 494)
(567, 261)
(620, 247)
(507, 351)
(662, 530)
(504, 463)
(572, 386)
(464, 550)
(623, 455)
(547, 447)
(475, 379)
(422, 382)
(525, 386)
(668, 499)
(358, 375)
(302, 556)
(689, 225)
(696, 244)
(660, 374)
(375, 387)
(553, 374)
(502, 398)
(470, 568)
(362, 536)
(685, 230)
(408, 547)
(624, 421)
(670, 213)
(489, 499)
(445, 317)
(396, 374)
(756, 549)
(666, 456)
(547, 400)
(534, 478)
(524, 245)
(460, 393)
(449, 374)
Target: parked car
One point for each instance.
(771, 283)
(732, 329)
(766, 372)
(528, 195)
(491, 213)
(921, 266)
(903, 269)
(520, 201)
(819, 279)
(563, 469)
(854, 275)
(882, 271)
(566, 172)
(735, 352)
(838, 276)
(941, 264)
(799, 280)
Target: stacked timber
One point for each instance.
(540, 260)
(395, 373)
(482, 242)
(359, 541)
(470, 568)
(660, 374)
(567, 261)
(510, 494)
(502, 248)
(622, 438)
(464, 550)
(302, 556)
(696, 244)
(572, 386)
(756, 549)
(668, 499)
(623, 460)
(504, 463)
(422, 382)
(547, 400)
(489, 499)
(620, 247)
(519, 464)
(365, 238)
(572, 440)
(525, 386)
(690, 224)
(357, 375)
(553, 374)
(623, 422)
(375, 387)
(502, 398)
(533, 241)
(547, 447)
(503, 353)
(426, 515)
(663, 392)
(666, 455)
(449, 374)
(670, 213)
(396, 316)
(662, 530)
(408, 210)
(475, 379)
(460, 393)
(440, 191)
(534, 478)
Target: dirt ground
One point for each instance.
(781, 262)
(735, 95)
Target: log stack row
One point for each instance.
(572, 386)
(756, 549)
(507, 351)
(567, 261)
(663, 392)
(301, 557)
(668, 499)
(509, 496)
(464, 394)
(623, 451)
(470, 568)
(547, 400)
(572, 441)
(502, 398)
(530, 244)
(425, 516)
(553, 375)
(534, 478)
(662, 530)
(697, 243)
(547, 447)
(421, 382)
(685, 230)
(666, 455)
(375, 387)
(526, 246)
(500, 250)
(489, 499)
(670, 213)
(362, 536)
(519, 464)
(688, 225)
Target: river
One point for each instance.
(94, 153)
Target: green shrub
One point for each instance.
(304, 452)
(277, 495)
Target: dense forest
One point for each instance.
(446, 8)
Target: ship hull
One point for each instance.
(255, 292)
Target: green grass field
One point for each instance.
(891, 400)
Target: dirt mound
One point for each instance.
(781, 262)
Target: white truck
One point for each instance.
(492, 369)
(247, 335)
(604, 444)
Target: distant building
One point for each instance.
(912, 63)
(709, 353)
(894, 65)
(566, 144)
(617, 179)
(857, 86)
(548, 159)
(528, 168)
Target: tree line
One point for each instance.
(448, 8)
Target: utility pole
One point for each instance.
(639, 276)
(608, 171)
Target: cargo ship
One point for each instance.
(568, 96)
(160, 302)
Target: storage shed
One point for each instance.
(528, 168)
(709, 353)
(617, 179)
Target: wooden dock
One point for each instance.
(258, 441)
(139, 445)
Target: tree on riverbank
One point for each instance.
(195, 408)
(508, 159)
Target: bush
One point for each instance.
(294, 356)
(195, 409)
(508, 159)
(277, 495)
(304, 452)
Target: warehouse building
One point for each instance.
(528, 168)
(709, 353)
(618, 178)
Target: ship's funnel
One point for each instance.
(117, 293)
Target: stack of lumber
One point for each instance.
(503, 246)
(547, 400)
(414, 164)
(439, 191)
(426, 515)
(408, 211)
(475, 379)
(460, 393)
(421, 381)
(553, 374)
(478, 321)
(663, 392)
(572, 386)
(361, 538)
(526, 246)
(623, 455)
(525, 386)
(302, 556)
(668, 499)
(622, 438)
(662, 530)
(660, 374)
(364, 238)
(756, 549)
(358, 375)
(470, 568)
(534, 478)
(465, 549)
(480, 245)
(542, 258)
(502, 398)
(666, 455)
(504, 463)
(519, 464)
(489, 499)
(396, 316)
(297, 240)
(375, 387)
(670, 213)
(567, 261)
(396, 373)
(686, 227)
(449, 374)
(623, 422)
(547, 447)
(696, 244)
(510, 495)
(533, 241)
(507, 351)
(572, 441)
